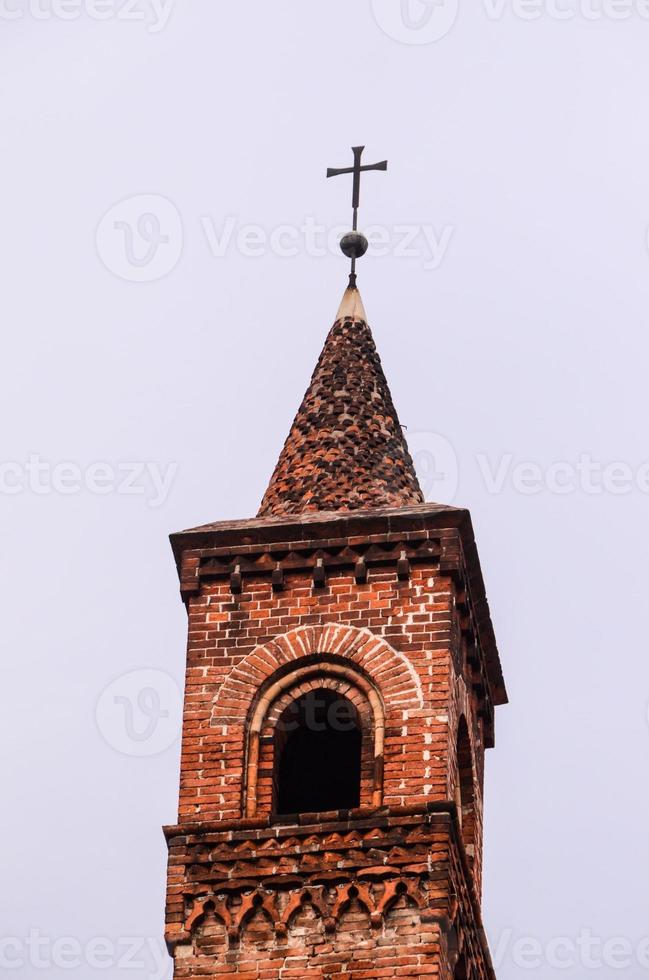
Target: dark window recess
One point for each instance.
(460, 972)
(317, 755)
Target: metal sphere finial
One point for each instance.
(354, 244)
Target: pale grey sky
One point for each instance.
(164, 360)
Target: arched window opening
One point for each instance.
(464, 794)
(317, 764)
(460, 972)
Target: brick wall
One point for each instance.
(404, 946)
(361, 898)
(399, 639)
(227, 632)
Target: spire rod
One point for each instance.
(354, 244)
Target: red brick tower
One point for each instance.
(342, 675)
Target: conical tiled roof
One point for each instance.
(346, 449)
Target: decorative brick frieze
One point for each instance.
(277, 560)
(380, 862)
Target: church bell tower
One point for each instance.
(342, 675)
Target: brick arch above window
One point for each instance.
(390, 671)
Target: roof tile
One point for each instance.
(346, 449)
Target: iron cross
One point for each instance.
(356, 170)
